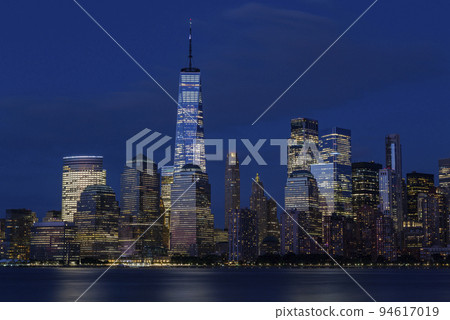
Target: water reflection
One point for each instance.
(184, 284)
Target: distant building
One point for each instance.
(428, 213)
(385, 248)
(2, 238)
(140, 208)
(302, 197)
(221, 242)
(18, 233)
(335, 148)
(294, 239)
(303, 144)
(97, 223)
(417, 183)
(191, 220)
(243, 236)
(78, 173)
(232, 186)
(389, 205)
(53, 216)
(394, 163)
(54, 242)
(166, 190)
(258, 204)
(333, 234)
(273, 225)
(365, 185)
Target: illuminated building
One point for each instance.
(232, 186)
(78, 173)
(18, 224)
(166, 190)
(189, 138)
(54, 242)
(365, 229)
(243, 241)
(191, 221)
(96, 220)
(417, 183)
(302, 196)
(388, 197)
(53, 216)
(428, 212)
(335, 179)
(333, 234)
(271, 243)
(303, 148)
(444, 178)
(221, 241)
(365, 185)
(2, 237)
(394, 163)
(385, 248)
(258, 204)
(140, 208)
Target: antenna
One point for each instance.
(190, 43)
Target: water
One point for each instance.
(222, 284)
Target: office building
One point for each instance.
(365, 185)
(258, 204)
(232, 186)
(18, 224)
(96, 220)
(417, 183)
(54, 241)
(78, 173)
(166, 190)
(191, 220)
(303, 148)
(189, 137)
(140, 208)
(243, 236)
(389, 197)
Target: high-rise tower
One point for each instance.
(189, 139)
(79, 172)
(232, 186)
(303, 143)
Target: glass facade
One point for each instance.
(189, 138)
(303, 145)
(417, 183)
(232, 186)
(140, 208)
(54, 242)
(78, 173)
(191, 220)
(18, 224)
(97, 222)
(365, 185)
(388, 197)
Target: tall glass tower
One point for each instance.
(232, 186)
(189, 139)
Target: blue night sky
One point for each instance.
(67, 89)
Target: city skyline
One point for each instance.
(112, 150)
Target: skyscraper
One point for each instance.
(365, 185)
(417, 183)
(444, 178)
(335, 180)
(302, 200)
(243, 236)
(97, 223)
(191, 221)
(389, 197)
(166, 190)
(394, 163)
(189, 138)
(18, 233)
(303, 144)
(78, 173)
(140, 208)
(428, 212)
(232, 186)
(258, 205)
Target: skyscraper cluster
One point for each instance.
(361, 211)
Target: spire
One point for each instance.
(257, 177)
(190, 43)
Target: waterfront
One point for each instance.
(223, 284)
